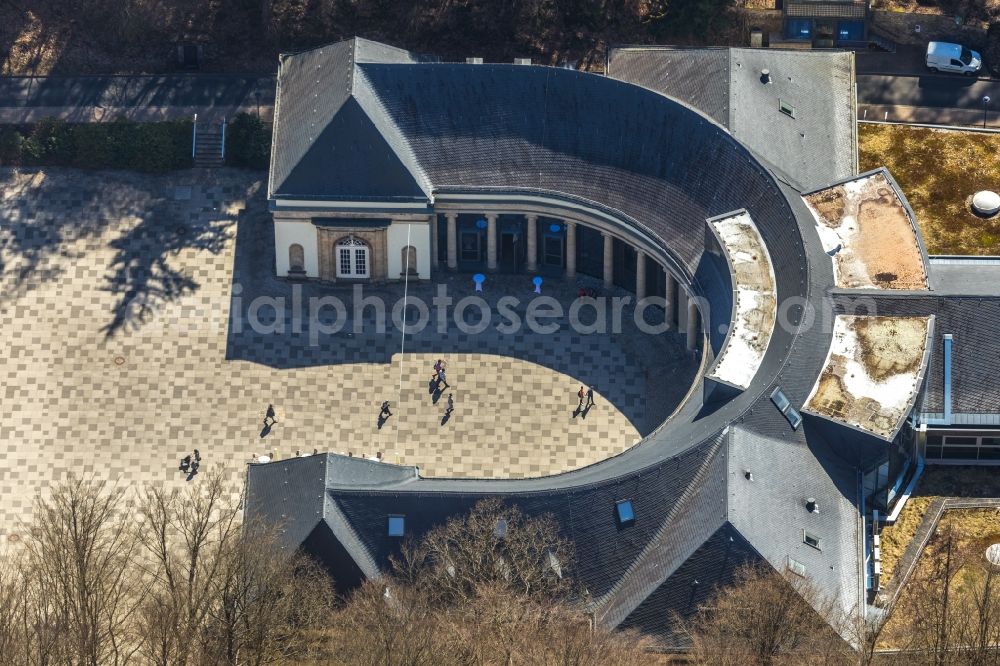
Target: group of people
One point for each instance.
(190, 463)
(586, 399)
(439, 377)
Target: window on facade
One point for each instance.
(296, 259)
(352, 258)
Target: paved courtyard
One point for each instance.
(120, 354)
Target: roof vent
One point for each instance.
(522, 61)
(748, 475)
(473, 61)
(811, 505)
(765, 76)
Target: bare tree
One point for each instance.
(266, 604)
(186, 536)
(764, 618)
(494, 544)
(79, 596)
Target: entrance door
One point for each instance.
(469, 247)
(509, 242)
(552, 251)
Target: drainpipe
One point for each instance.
(194, 135)
(223, 139)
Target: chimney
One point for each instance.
(765, 76)
(811, 505)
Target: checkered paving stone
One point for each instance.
(128, 306)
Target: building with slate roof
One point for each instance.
(389, 164)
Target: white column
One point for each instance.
(570, 249)
(532, 243)
(671, 300)
(609, 260)
(692, 324)
(491, 242)
(452, 241)
(640, 275)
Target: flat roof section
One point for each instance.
(754, 298)
(872, 372)
(869, 232)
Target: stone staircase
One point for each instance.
(209, 144)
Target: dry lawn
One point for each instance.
(936, 482)
(974, 531)
(939, 171)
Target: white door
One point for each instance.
(352, 259)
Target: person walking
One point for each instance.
(581, 394)
(451, 405)
(590, 397)
(442, 378)
(385, 413)
(438, 365)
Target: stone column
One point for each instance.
(640, 275)
(570, 249)
(692, 324)
(452, 241)
(491, 242)
(433, 223)
(671, 300)
(532, 243)
(609, 260)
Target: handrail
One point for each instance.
(223, 139)
(194, 136)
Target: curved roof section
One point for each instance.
(871, 234)
(873, 372)
(652, 161)
(755, 302)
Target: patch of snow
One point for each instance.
(755, 300)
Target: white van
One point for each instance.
(948, 57)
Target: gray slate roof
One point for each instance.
(816, 147)
(656, 165)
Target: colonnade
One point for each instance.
(676, 298)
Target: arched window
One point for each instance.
(352, 258)
(409, 260)
(296, 258)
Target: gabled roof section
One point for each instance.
(813, 145)
(873, 372)
(329, 128)
(771, 478)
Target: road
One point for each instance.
(923, 98)
(141, 98)
(928, 98)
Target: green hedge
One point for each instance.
(121, 144)
(248, 142)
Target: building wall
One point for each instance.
(420, 238)
(287, 232)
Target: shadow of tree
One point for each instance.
(143, 278)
